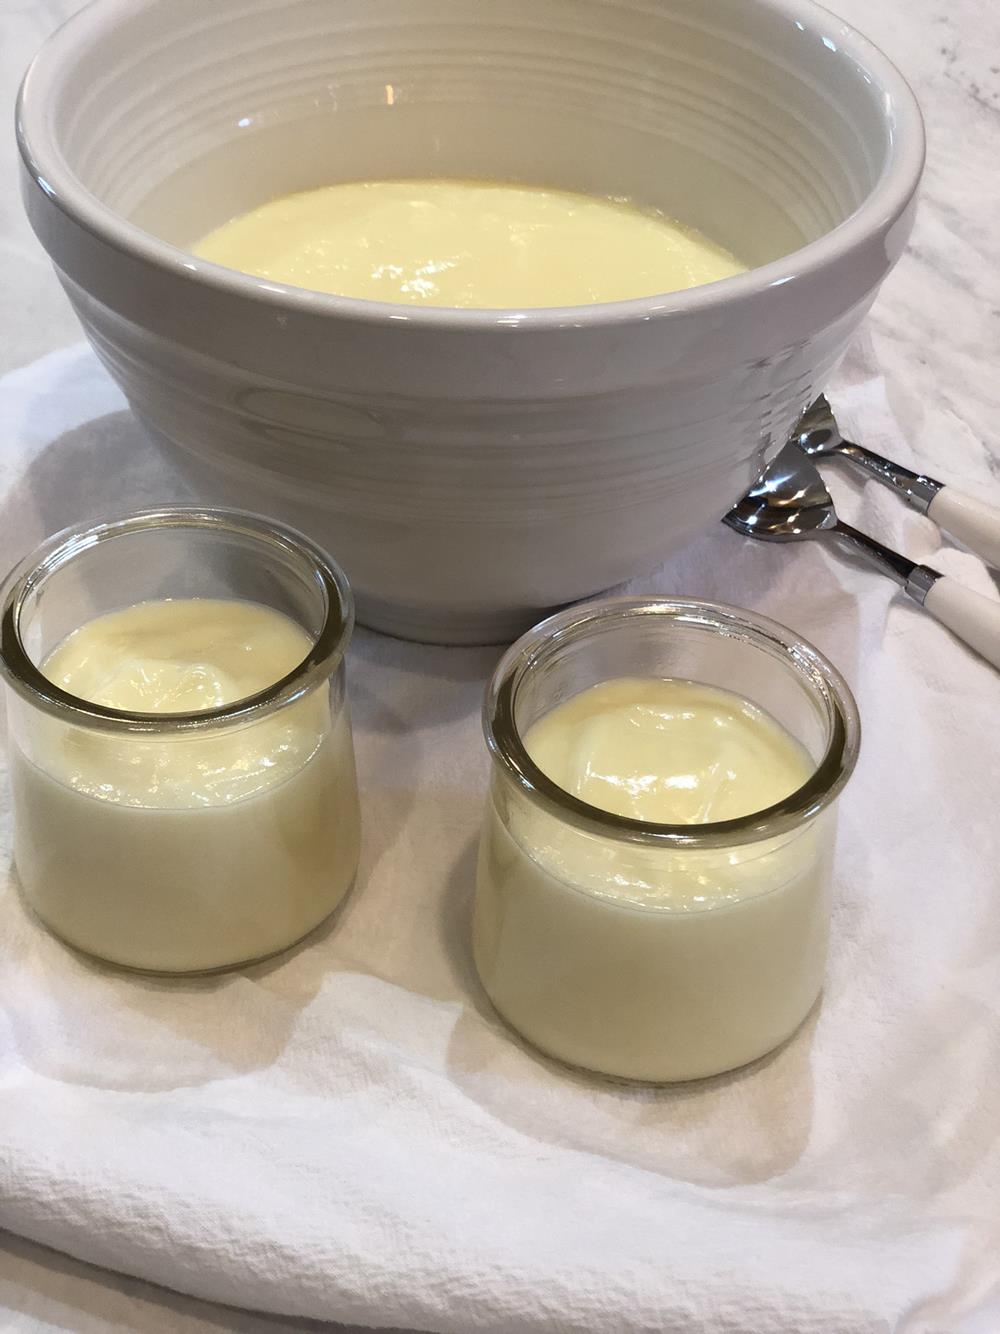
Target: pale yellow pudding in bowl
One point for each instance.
(466, 244)
(475, 452)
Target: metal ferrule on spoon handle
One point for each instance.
(975, 522)
(890, 562)
(916, 489)
(970, 616)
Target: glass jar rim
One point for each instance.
(534, 648)
(58, 551)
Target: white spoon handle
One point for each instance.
(972, 521)
(973, 618)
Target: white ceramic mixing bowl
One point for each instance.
(471, 469)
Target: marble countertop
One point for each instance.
(936, 332)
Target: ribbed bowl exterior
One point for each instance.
(472, 471)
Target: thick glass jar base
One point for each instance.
(591, 1072)
(324, 924)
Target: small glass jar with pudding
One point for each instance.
(181, 762)
(652, 897)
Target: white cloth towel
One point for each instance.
(350, 1134)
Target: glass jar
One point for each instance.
(653, 951)
(181, 842)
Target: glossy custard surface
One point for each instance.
(468, 244)
(185, 851)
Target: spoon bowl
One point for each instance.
(789, 502)
(817, 433)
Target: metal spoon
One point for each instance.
(972, 521)
(790, 502)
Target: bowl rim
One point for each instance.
(891, 194)
(26, 581)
